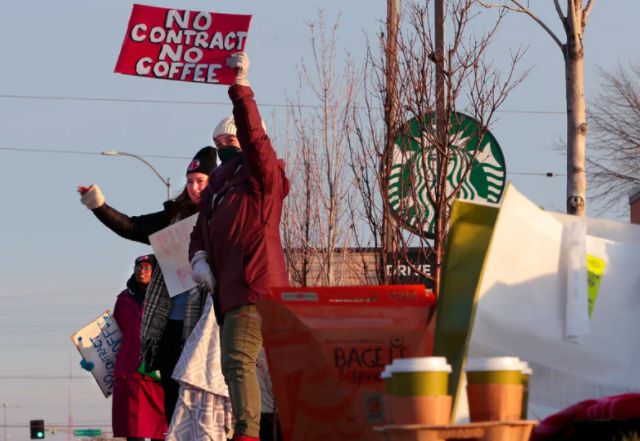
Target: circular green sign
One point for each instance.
(414, 164)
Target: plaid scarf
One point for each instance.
(157, 306)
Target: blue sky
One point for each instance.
(60, 267)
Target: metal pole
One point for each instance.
(391, 104)
(166, 182)
(442, 140)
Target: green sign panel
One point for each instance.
(87, 432)
(414, 167)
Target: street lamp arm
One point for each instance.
(165, 181)
(117, 153)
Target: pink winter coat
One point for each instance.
(138, 400)
(240, 228)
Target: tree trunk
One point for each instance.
(576, 134)
(573, 52)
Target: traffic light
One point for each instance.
(37, 429)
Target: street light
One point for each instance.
(166, 181)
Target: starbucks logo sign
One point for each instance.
(413, 169)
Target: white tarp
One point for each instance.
(98, 343)
(171, 247)
(532, 300)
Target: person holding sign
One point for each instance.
(167, 321)
(236, 242)
(137, 407)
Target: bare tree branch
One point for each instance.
(586, 12)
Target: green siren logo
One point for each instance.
(414, 165)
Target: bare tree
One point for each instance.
(614, 158)
(317, 223)
(574, 23)
(428, 171)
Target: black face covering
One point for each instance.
(228, 152)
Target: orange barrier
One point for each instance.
(326, 348)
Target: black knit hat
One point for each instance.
(204, 161)
(148, 258)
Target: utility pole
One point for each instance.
(390, 112)
(442, 141)
(70, 417)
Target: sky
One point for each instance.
(59, 267)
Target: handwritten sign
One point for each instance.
(171, 247)
(175, 44)
(99, 343)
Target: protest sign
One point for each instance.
(176, 44)
(99, 343)
(326, 348)
(171, 247)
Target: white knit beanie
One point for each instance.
(225, 127)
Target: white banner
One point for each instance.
(98, 343)
(171, 247)
(523, 307)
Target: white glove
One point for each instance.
(91, 198)
(240, 62)
(200, 270)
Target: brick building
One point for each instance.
(634, 207)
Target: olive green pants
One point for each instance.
(241, 342)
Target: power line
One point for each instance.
(218, 103)
(57, 293)
(44, 377)
(80, 152)
(48, 406)
(87, 424)
(145, 101)
(546, 174)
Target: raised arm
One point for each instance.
(259, 153)
(136, 228)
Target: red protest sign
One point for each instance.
(175, 44)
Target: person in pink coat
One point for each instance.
(138, 400)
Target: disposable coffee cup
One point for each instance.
(526, 374)
(385, 375)
(419, 388)
(494, 388)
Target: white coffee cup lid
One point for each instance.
(420, 364)
(494, 364)
(386, 372)
(525, 369)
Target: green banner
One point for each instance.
(467, 244)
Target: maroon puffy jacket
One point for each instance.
(239, 221)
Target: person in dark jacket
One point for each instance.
(166, 322)
(236, 242)
(137, 408)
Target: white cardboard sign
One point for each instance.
(171, 247)
(98, 343)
